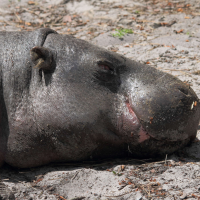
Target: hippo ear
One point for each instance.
(42, 58)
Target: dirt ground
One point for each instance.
(166, 35)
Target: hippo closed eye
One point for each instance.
(63, 99)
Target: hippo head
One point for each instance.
(97, 103)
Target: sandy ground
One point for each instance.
(165, 35)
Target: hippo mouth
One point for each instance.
(143, 134)
(144, 138)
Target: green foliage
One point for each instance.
(118, 174)
(121, 32)
(189, 34)
(137, 12)
(11, 0)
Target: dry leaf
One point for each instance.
(67, 18)
(164, 23)
(180, 10)
(62, 198)
(31, 3)
(180, 31)
(40, 179)
(28, 23)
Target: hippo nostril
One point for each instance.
(184, 90)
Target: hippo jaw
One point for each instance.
(143, 134)
(144, 143)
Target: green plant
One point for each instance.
(117, 174)
(121, 32)
(189, 34)
(137, 12)
(11, 0)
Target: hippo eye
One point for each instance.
(107, 76)
(105, 66)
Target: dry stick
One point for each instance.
(149, 194)
(18, 17)
(174, 69)
(129, 150)
(149, 191)
(166, 159)
(141, 34)
(159, 162)
(32, 12)
(6, 22)
(120, 194)
(74, 176)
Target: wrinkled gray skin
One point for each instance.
(63, 100)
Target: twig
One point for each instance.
(120, 194)
(19, 19)
(129, 150)
(166, 159)
(74, 176)
(11, 24)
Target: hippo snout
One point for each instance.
(167, 109)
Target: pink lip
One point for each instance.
(143, 135)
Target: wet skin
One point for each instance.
(63, 100)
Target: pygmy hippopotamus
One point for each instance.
(63, 99)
